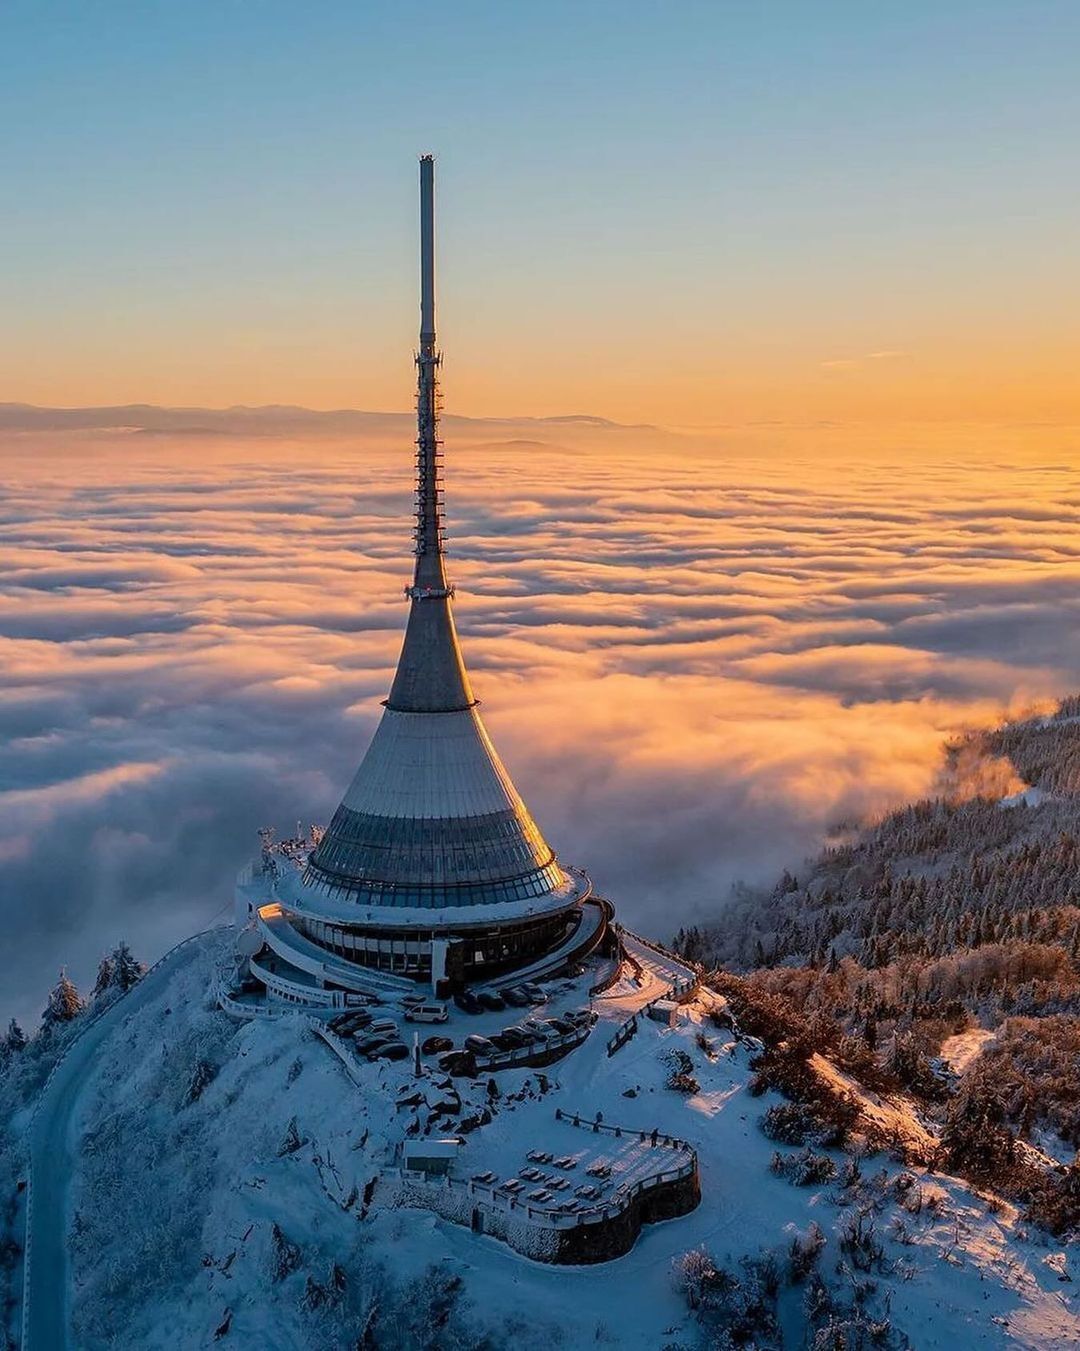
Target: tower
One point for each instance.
(432, 867)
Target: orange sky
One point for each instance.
(690, 214)
(991, 379)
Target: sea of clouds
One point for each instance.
(695, 654)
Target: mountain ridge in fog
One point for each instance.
(262, 419)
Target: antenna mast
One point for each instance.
(430, 576)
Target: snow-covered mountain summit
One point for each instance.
(231, 1181)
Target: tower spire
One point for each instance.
(430, 571)
(431, 675)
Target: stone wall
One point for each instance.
(577, 1245)
(610, 1238)
(457, 1205)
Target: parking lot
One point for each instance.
(480, 1023)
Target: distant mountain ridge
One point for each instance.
(266, 419)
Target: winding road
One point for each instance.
(47, 1280)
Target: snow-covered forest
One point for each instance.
(952, 923)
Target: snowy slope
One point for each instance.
(175, 1203)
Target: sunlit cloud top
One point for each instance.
(694, 664)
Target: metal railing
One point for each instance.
(678, 991)
(598, 1126)
(282, 986)
(526, 1055)
(265, 1009)
(615, 975)
(595, 1213)
(340, 1047)
(661, 951)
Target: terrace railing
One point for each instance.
(589, 1213)
(527, 1055)
(679, 991)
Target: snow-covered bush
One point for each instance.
(737, 1309)
(285, 1257)
(202, 1075)
(292, 1139)
(859, 1242)
(1055, 1202)
(790, 1123)
(804, 1252)
(805, 1169)
(853, 1332)
(975, 1140)
(680, 1072)
(693, 1273)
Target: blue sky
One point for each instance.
(215, 202)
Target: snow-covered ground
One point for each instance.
(46, 1277)
(960, 1050)
(230, 1179)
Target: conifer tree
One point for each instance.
(104, 976)
(975, 1137)
(64, 1004)
(15, 1039)
(126, 971)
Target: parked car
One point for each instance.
(534, 993)
(490, 1000)
(468, 1002)
(514, 1037)
(426, 1013)
(529, 1035)
(456, 1062)
(393, 1050)
(479, 1045)
(560, 1026)
(383, 1025)
(517, 999)
(365, 1044)
(434, 1045)
(538, 1028)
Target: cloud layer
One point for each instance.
(694, 656)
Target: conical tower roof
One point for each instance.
(431, 818)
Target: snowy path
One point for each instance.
(960, 1050)
(46, 1287)
(583, 1073)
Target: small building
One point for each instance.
(664, 1011)
(435, 1157)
